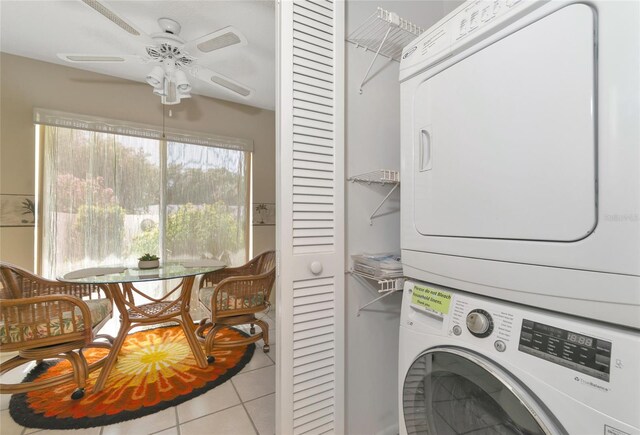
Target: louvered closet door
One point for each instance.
(310, 241)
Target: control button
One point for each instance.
(457, 330)
(509, 3)
(485, 14)
(479, 323)
(463, 27)
(603, 346)
(473, 21)
(500, 346)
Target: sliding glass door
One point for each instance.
(109, 198)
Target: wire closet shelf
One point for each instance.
(386, 287)
(380, 176)
(384, 33)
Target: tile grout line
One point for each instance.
(175, 408)
(211, 413)
(228, 407)
(260, 397)
(245, 408)
(257, 368)
(269, 356)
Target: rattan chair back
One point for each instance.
(239, 294)
(42, 319)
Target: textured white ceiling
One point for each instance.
(41, 29)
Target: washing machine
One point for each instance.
(520, 146)
(474, 365)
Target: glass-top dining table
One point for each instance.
(173, 306)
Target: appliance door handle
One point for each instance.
(425, 150)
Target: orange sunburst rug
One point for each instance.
(155, 370)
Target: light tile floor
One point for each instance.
(244, 405)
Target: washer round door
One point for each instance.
(452, 391)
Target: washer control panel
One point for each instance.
(583, 353)
(479, 323)
(470, 321)
(590, 362)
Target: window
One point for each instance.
(108, 198)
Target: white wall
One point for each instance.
(372, 142)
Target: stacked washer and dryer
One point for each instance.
(521, 220)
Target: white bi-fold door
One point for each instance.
(310, 218)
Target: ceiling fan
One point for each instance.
(171, 55)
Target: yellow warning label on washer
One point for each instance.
(431, 299)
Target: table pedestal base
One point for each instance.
(159, 311)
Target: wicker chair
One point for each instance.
(43, 319)
(233, 296)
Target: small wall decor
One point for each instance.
(17, 210)
(264, 214)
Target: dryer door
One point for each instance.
(504, 139)
(452, 391)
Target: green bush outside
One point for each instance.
(195, 230)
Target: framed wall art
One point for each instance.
(17, 210)
(264, 214)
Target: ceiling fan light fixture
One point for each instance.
(182, 84)
(169, 83)
(170, 57)
(171, 95)
(169, 102)
(159, 91)
(156, 77)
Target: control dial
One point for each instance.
(479, 323)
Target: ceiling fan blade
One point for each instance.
(114, 81)
(215, 79)
(216, 41)
(99, 58)
(124, 24)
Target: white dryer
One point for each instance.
(521, 155)
(474, 365)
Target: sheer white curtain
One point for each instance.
(108, 198)
(207, 197)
